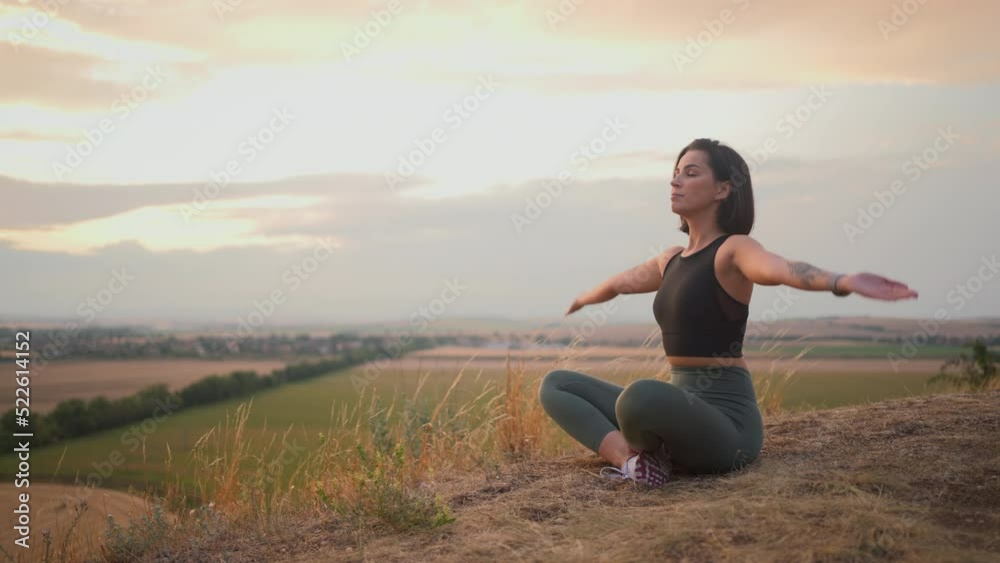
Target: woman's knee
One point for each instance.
(557, 378)
(643, 397)
(553, 383)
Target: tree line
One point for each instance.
(74, 418)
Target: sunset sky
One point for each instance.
(206, 147)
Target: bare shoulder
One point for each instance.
(736, 243)
(738, 239)
(665, 256)
(735, 249)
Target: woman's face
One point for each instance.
(694, 187)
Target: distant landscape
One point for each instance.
(800, 365)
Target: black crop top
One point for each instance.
(696, 315)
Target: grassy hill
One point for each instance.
(913, 479)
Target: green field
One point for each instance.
(307, 407)
(862, 351)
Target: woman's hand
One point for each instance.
(876, 287)
(576, 306)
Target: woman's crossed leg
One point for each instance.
(617, 422)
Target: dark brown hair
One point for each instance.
(735, 213)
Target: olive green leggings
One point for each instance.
(707, 417)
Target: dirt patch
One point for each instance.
(484, 494)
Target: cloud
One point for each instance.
(36, 208)
(165, 228)
(400, 251)
(46, 77)
(599, 46)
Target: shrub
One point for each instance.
(378, 492)
(976, 372)
(142, 535)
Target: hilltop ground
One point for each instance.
(913, 479)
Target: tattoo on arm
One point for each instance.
(805, 273)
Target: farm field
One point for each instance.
(812, 350)
(85, 379)
(651, 360)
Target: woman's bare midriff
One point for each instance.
(697, 361)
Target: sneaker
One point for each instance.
(647, 468)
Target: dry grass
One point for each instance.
(906, 480)
(72, 522)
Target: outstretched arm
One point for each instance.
(766, 268)
(643, 278)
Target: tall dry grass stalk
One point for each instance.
(522, 429)
(770, 387)
(376, 473)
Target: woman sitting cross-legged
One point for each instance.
(706, 418)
